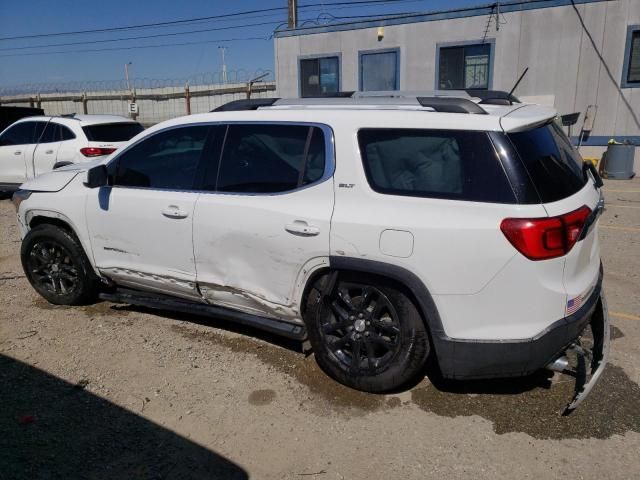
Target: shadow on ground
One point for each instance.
(54, 429)
(532, 405)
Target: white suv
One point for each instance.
(390, 230)
(34, 145)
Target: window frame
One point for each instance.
(363, 53)
(436, 195)
(466, 43)
(624, 83)
(113, 164)
(319, 57)
(214, 146)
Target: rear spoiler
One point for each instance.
(527, 116)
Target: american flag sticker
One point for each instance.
(574, 304)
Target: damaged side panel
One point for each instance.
(252, 250)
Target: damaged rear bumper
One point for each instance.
(469, 359)
(590, 360)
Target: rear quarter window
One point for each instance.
(112, 132)
(554, 166)
(447, 164)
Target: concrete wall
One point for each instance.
(151, 111)
(564, 68)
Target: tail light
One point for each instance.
(544, 238)
(96, 151)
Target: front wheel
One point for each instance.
(368, 336)
(55, 264)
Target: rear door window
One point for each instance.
(448, 164)
(554, 166)
(112, 132)
(54, 132)
(269, 158)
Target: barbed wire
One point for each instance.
(205, 78)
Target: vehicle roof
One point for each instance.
(383, 115)
(82, 119)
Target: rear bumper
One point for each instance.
(467, 359)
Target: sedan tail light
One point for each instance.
(96, 151)
(544, 238)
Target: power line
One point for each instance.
(135, 47)
(189, 20)
(172, 34)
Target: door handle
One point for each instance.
(302, 228)
(173, 211)
(18, 152)
(49, 152)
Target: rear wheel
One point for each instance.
(368, 336)
(57, 267)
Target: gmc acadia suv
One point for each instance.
(388, 229)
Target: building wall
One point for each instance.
(564, 68)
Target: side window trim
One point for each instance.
(509, 193)
(329, 165)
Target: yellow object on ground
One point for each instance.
(592, 160)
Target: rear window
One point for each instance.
(448, 164)
(554, 166)
(112, 132)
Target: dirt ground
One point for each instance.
(112, 391)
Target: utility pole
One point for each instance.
(292, 18)
(224, 64)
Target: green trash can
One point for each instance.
(619, 161)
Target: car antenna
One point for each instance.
(517, 83)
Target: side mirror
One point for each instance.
(97, 177)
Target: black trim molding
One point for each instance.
(467, 359)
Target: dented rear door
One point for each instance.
(264, 223)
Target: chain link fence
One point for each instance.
(156, 99)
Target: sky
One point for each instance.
(251, 48)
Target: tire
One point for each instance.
(57, 267)
(375, 322)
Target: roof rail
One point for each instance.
(246, 104)
(347, 94)
(451, 105)
(493, 97)
(459, 102)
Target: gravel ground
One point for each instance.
(112, 391)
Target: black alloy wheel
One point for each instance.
(57, 267)
(362, 330)
(368, 336)
(52, 268)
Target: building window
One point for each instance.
(380, 70)
(464, 66)
(319, 76)
(631, 70)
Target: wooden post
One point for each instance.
(38, 101)
(84, 101)
(187, 99)
(133, 100)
